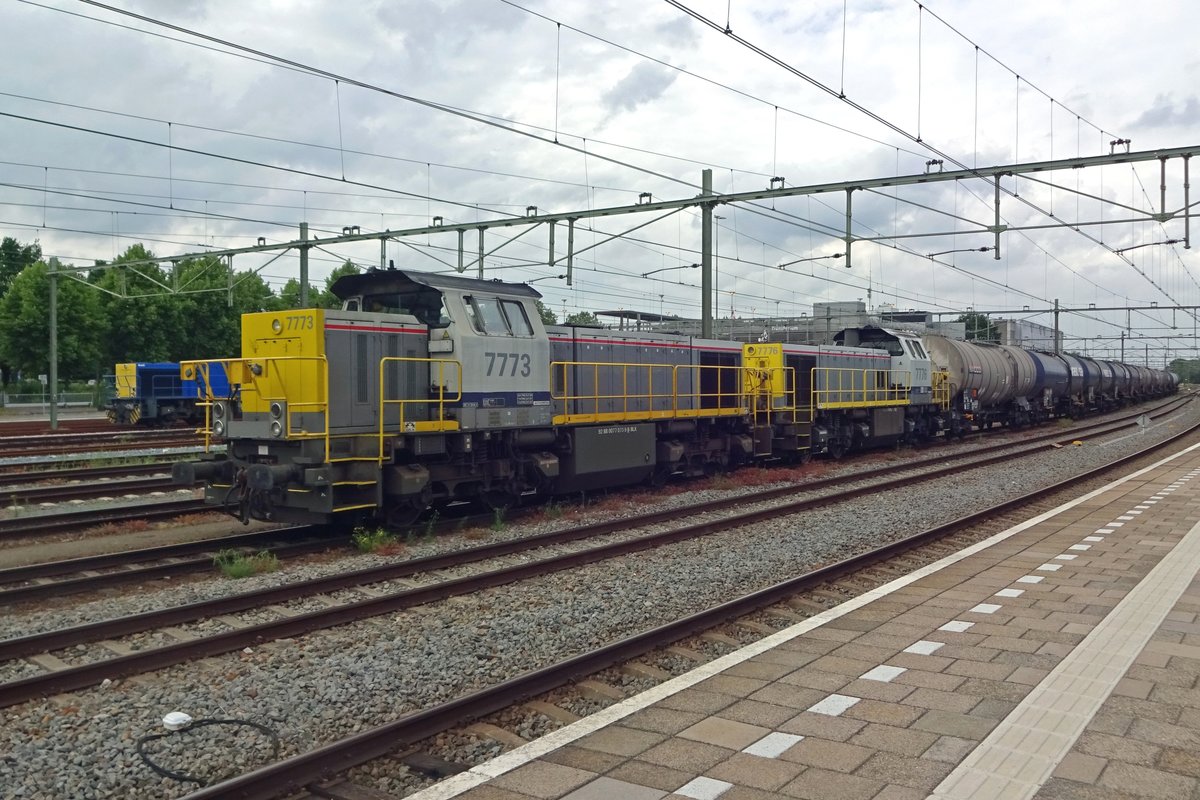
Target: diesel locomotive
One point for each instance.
(425, 390)
(153, 393)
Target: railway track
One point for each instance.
(664, 528)
(92, 573)
(805, 595)
(73, 443)
(88, 491)
(41, 524)
(75, 576)
(10, 477)
(34, 427)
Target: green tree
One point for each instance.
(979, 326)
(1188, 369)
(548, 316)
(212, 318)
(25, 324)
(325, 298)
(583, 318)
(142, 320)
(15, 257)
(289, 295)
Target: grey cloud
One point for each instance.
(644, 83)
(1165, 112)
(678, 32)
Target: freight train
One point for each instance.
(156, 394)
(425, 390)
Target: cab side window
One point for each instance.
(491, 315)
(518, 322)
(473, 314)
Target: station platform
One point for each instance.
(1057, 659)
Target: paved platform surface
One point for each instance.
(1058, 660)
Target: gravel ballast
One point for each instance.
(327, 685)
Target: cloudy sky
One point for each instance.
(117, 130)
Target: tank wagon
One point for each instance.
(424, 390)
(156, 393)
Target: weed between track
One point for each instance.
(242, 565)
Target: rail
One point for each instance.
(292, 774)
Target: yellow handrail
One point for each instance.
(665, 386)
(941, 388)
(849, 388)
(439, 403)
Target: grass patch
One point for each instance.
(721, 482)
(611, 504)
(118, 528)
(552, 510)
(378, 541)
(242, 565)
(498, 519)
(431, 526)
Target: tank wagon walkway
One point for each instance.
(1057, 659)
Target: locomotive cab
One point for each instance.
(911, 367)
(491, 328)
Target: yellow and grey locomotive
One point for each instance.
(425, 390)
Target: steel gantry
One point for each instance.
(707, 200)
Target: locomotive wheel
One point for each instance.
(659, 477)
(837, 449)
(400, 516)
(401, 512)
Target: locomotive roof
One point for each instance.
(871, 333)
(398, 281)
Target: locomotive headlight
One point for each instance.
(276, 410)
(276, 326)
(276, 429)
(218, 410)
(219, 428)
